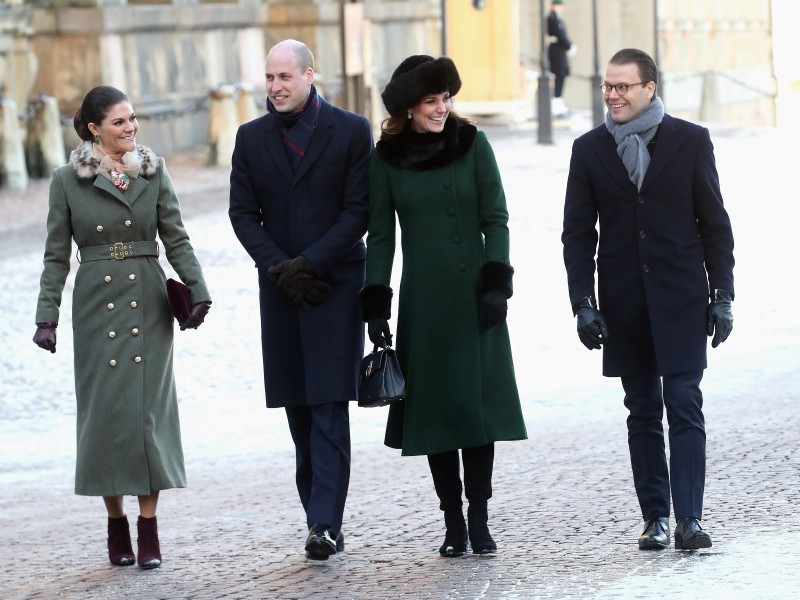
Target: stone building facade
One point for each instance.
(716, 56)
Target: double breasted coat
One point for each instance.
(128, 434)
(659, 251)
(319, 211)
(453, 218)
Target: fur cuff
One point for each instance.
(496, 277)
(376, 302)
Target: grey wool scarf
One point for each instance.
(632, 139)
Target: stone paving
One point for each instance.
(564, 512)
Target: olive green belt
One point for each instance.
(118, 251)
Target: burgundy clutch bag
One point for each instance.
(180, 300)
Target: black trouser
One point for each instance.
(645, 398)
(321, 436)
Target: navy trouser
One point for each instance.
(321, 436)
(645, 397)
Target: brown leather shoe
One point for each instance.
(690, 536)
(655, 535)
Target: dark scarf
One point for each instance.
(424, 151)
(297, 128)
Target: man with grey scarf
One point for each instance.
(663, 253)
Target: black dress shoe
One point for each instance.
(690, 536)
(655, 535)
(339, 542)
(320, 544)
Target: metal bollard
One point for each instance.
(222, 126)
(13, 174)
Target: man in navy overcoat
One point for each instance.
(664, 261)
(298, 204)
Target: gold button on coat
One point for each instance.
(110, 306)
(138, 359)
(135, 331)
(112, 363)
(128, 223)
(107, 278)
(134, 304)
(112, 334)
(99, 228)
(132, 277)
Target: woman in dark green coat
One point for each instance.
(113, 199)
(437, 173)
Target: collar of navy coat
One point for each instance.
(319, 139)
(669, 141)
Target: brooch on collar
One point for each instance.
(120, 180)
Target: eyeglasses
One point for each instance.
(622, 88)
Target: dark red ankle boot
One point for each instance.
(149, 548)
(120, 551)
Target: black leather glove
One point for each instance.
(196, 316)
(379, 332)
(496, 287)
(313, 290)
(720, 317)
(286, 272)
(495, 308)
(592, 329)
(45, 336)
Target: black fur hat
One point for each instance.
(418, 76)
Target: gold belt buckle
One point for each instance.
(119, 250)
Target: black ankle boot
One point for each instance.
(455, 539)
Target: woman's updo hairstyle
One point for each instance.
(94, 109)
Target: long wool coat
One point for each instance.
(460, 378)
(320, 211)
(659, 252)
(128, 432)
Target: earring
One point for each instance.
(97, 140)
(409, 114)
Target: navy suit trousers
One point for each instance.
(321, 436)
(645, 397)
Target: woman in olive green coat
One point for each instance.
(437, 173)
(113, 199)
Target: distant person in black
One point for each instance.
(557, 53)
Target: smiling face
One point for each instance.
(626, 107)
(117, 131)
(288, 86)
(429, 115)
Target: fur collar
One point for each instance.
(424, 151)
(82, 160)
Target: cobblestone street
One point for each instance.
(564, 512)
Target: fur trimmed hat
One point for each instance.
(417, 76)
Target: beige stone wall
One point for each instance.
(168, 56)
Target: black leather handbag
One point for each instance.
(382, 382)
